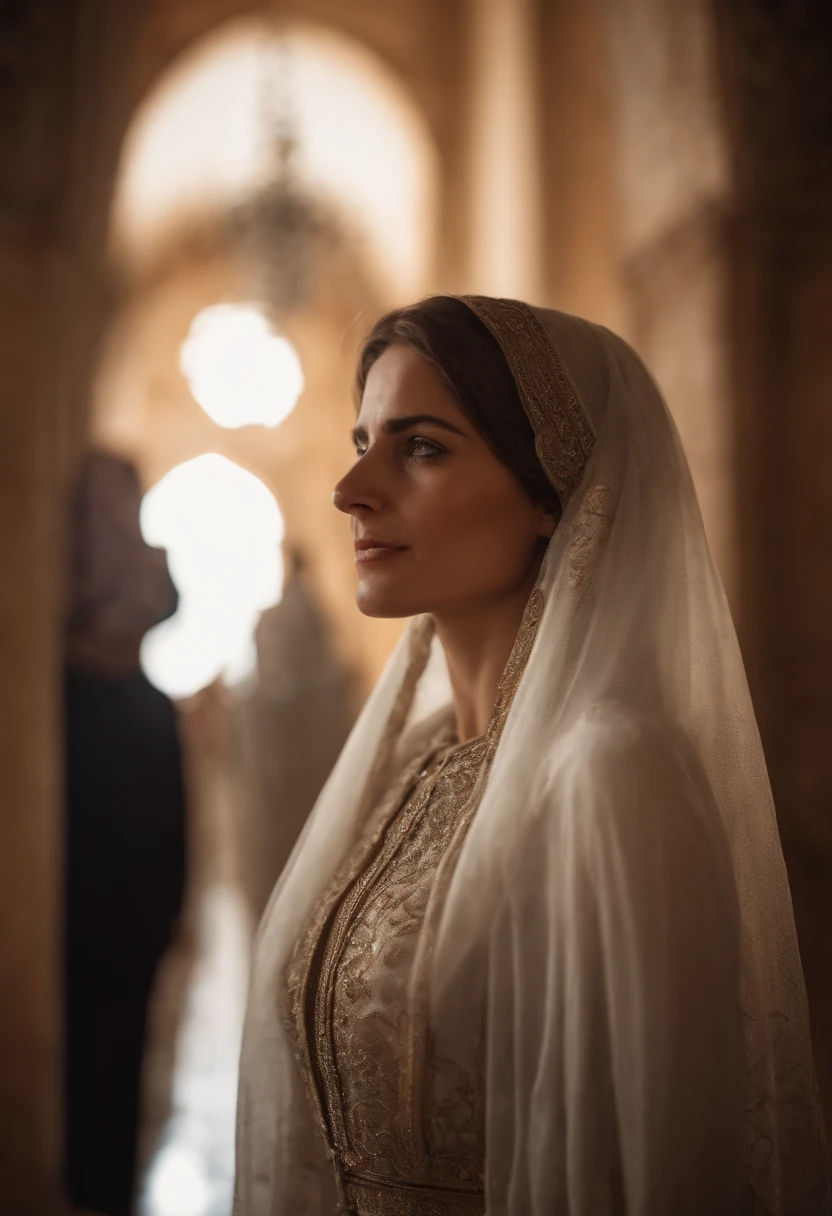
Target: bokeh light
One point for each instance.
(239, 370)
(222, 530)
(176, 1185)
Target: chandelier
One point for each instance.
(284, 229)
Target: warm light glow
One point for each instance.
(196, 145)
(222, 530)
(177, 1185)
(239, 370)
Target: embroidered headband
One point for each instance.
(563, 438)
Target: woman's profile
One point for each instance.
(534, 952)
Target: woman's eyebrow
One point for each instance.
(395, 426)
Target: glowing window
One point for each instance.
(222, 530)
(196, 145)
(239, 370)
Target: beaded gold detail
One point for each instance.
(404, 1124)
(563, 436)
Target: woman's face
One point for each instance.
(440, 525)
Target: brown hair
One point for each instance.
(447, 334)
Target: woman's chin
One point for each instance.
(386, 601)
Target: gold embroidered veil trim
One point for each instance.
(562, 435)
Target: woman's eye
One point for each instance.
(417, 446)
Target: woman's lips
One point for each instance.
(375, 551)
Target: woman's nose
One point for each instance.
(354, 493)
(340, 499)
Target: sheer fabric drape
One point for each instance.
(648, 1045)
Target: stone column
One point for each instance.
(61, 98)
(504, 151)
(673, 190)
(581, 269)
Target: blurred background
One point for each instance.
(204, 205)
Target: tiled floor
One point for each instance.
(191, 1172)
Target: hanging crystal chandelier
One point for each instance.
(284, 229)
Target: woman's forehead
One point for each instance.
(401, 383)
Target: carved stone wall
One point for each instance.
(777, 89)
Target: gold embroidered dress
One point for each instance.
(366, 1059)
(404, 1122)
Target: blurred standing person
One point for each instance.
(125, 829)
(291, 727)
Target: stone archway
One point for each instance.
(176, 254)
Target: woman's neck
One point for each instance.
(477, 645)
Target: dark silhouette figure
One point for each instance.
(125, 830)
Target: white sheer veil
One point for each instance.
(630, 742)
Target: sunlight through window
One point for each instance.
(222, 530)
(239, 370)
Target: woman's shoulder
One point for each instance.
(616, 733)
(620, 764)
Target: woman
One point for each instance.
(534, 952)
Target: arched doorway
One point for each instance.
(192, 160)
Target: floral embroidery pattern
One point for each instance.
(591, 531)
